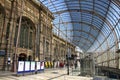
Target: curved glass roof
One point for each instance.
(89, 24)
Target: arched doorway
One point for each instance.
(22, 57)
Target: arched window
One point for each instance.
(27, 33)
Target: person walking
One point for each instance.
(75, 64)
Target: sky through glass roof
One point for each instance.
(83, 20)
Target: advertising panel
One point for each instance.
(32, 65)
(27, 65)
(42, 65)
(38, 65)
(20, 66)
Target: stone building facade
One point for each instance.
(29, 20)
(26, 33)
(60, 48)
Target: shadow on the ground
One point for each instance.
(55, 72)
(56, 77)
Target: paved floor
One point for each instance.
(54, 74)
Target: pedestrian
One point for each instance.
(75, 64)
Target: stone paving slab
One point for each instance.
(6, 73)
(47, 75)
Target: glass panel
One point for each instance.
(22, 36)
(77, 26)
(30, 40)
(94, 32)
(85, 28)
(26, 37)
(97, 22)
(106, 30)
(16, 33)
(85, 34)
(117, 30)
(76, 16)
(111, 18)
(100, 38)
(111, 40)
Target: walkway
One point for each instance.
(54, 74)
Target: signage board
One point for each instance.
(2, 52)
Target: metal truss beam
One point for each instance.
(95, 13)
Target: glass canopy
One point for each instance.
(93, 25)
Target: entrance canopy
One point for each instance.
(90, 24)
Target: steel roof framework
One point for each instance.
(87, 21)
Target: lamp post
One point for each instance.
(18, 36)
(67, 65)
(68, 56)
(80, 57)
(7, 54)
(93, 60)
